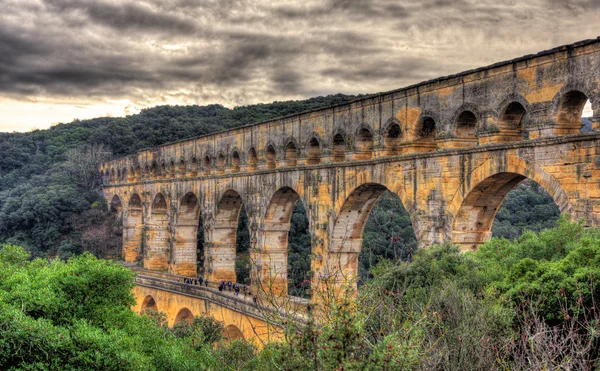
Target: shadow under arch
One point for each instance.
(221, 254)
(185, 246)
(474, 213)
(184, 314)
(346, 241)
(232, 332)
(149, 304)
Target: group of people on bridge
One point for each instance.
(232, 286)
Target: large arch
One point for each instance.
(346, 241)
(158, 236)
(184, 248)
(232, 332)
(133, 227)
(569, 110)
(276, 226)
(478, 201)
(221, 253)
(149, 304)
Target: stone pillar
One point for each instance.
(220, 252)
(274, 259)
(157, 241)
(184, 248)
(133, 228)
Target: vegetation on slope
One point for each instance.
(528, 304)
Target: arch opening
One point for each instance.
(270, 157)
(392, 140)
(153, 171)
(235, 162)
(508, 201)
(466, 125)
(252, 159)
(276, 230)
(231, 333)
(207, 165)
(221, 257)
(138, 173)
(184, 315)
(427, 130)
(185, 255)
(221, 162)
(158, 236)
(372, 224)
(149, 304)
(291, 153)
(299, 252)
(313, 155)
(339, 148)
(131, 175)
(132, 230)
(181, 169)
(573, 107)
(171, 169)
(163, 170)
(364, 145)
(193, 168)
(512, 123)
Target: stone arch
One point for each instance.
(235, 161)
(427, 128)
(338, 147)
(568, 108)
(252, 159)
(180, 171)
(512, 119)
(186, 242)
(276, 227)
(232, 332)
(346, 234)
(313, 150)
(207, 164)
(138, 173)
(192, 170)
(112, 177)
(147, 171)
(131, 174)
(291, 152)
(153, 170)
(221, 163)
(363, 147)
(184, 315)
(149, 304)
(270, 157)
(163, 170)
(476, 203)
(158, 235)
(221, 254)
(116, 206)
(133, 226)
(392, 137)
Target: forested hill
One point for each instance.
(48, 197)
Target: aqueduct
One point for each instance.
(450, 148)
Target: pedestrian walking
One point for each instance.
(237, 290)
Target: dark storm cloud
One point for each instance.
(245, 51)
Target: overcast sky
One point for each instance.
(66, 59)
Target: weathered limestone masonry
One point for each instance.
(450, 148)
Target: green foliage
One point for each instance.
(201, 330)
(299, 252)
(76, 315)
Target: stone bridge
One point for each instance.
(449, 148)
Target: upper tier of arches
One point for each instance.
(512, 120)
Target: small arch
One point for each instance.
(193, 168)
(163, 170)
(338, 148)
(512, 120)
(147, 171)
(252, 159)
(466, 125)
(131, 174)
(570, 112)
(207, 165)
(171, 171)
(149, 304)
(392, 139)
(291, 153)
(159, 204)
(138, 173)
(235, 162)
(426, 130)
(313, 153)
(270, 157)
(153, 171)
(364, 144)
(181, 169)
(115, 205)
(184, 315)
(231, 333)
(112, 177)
(221, 162)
